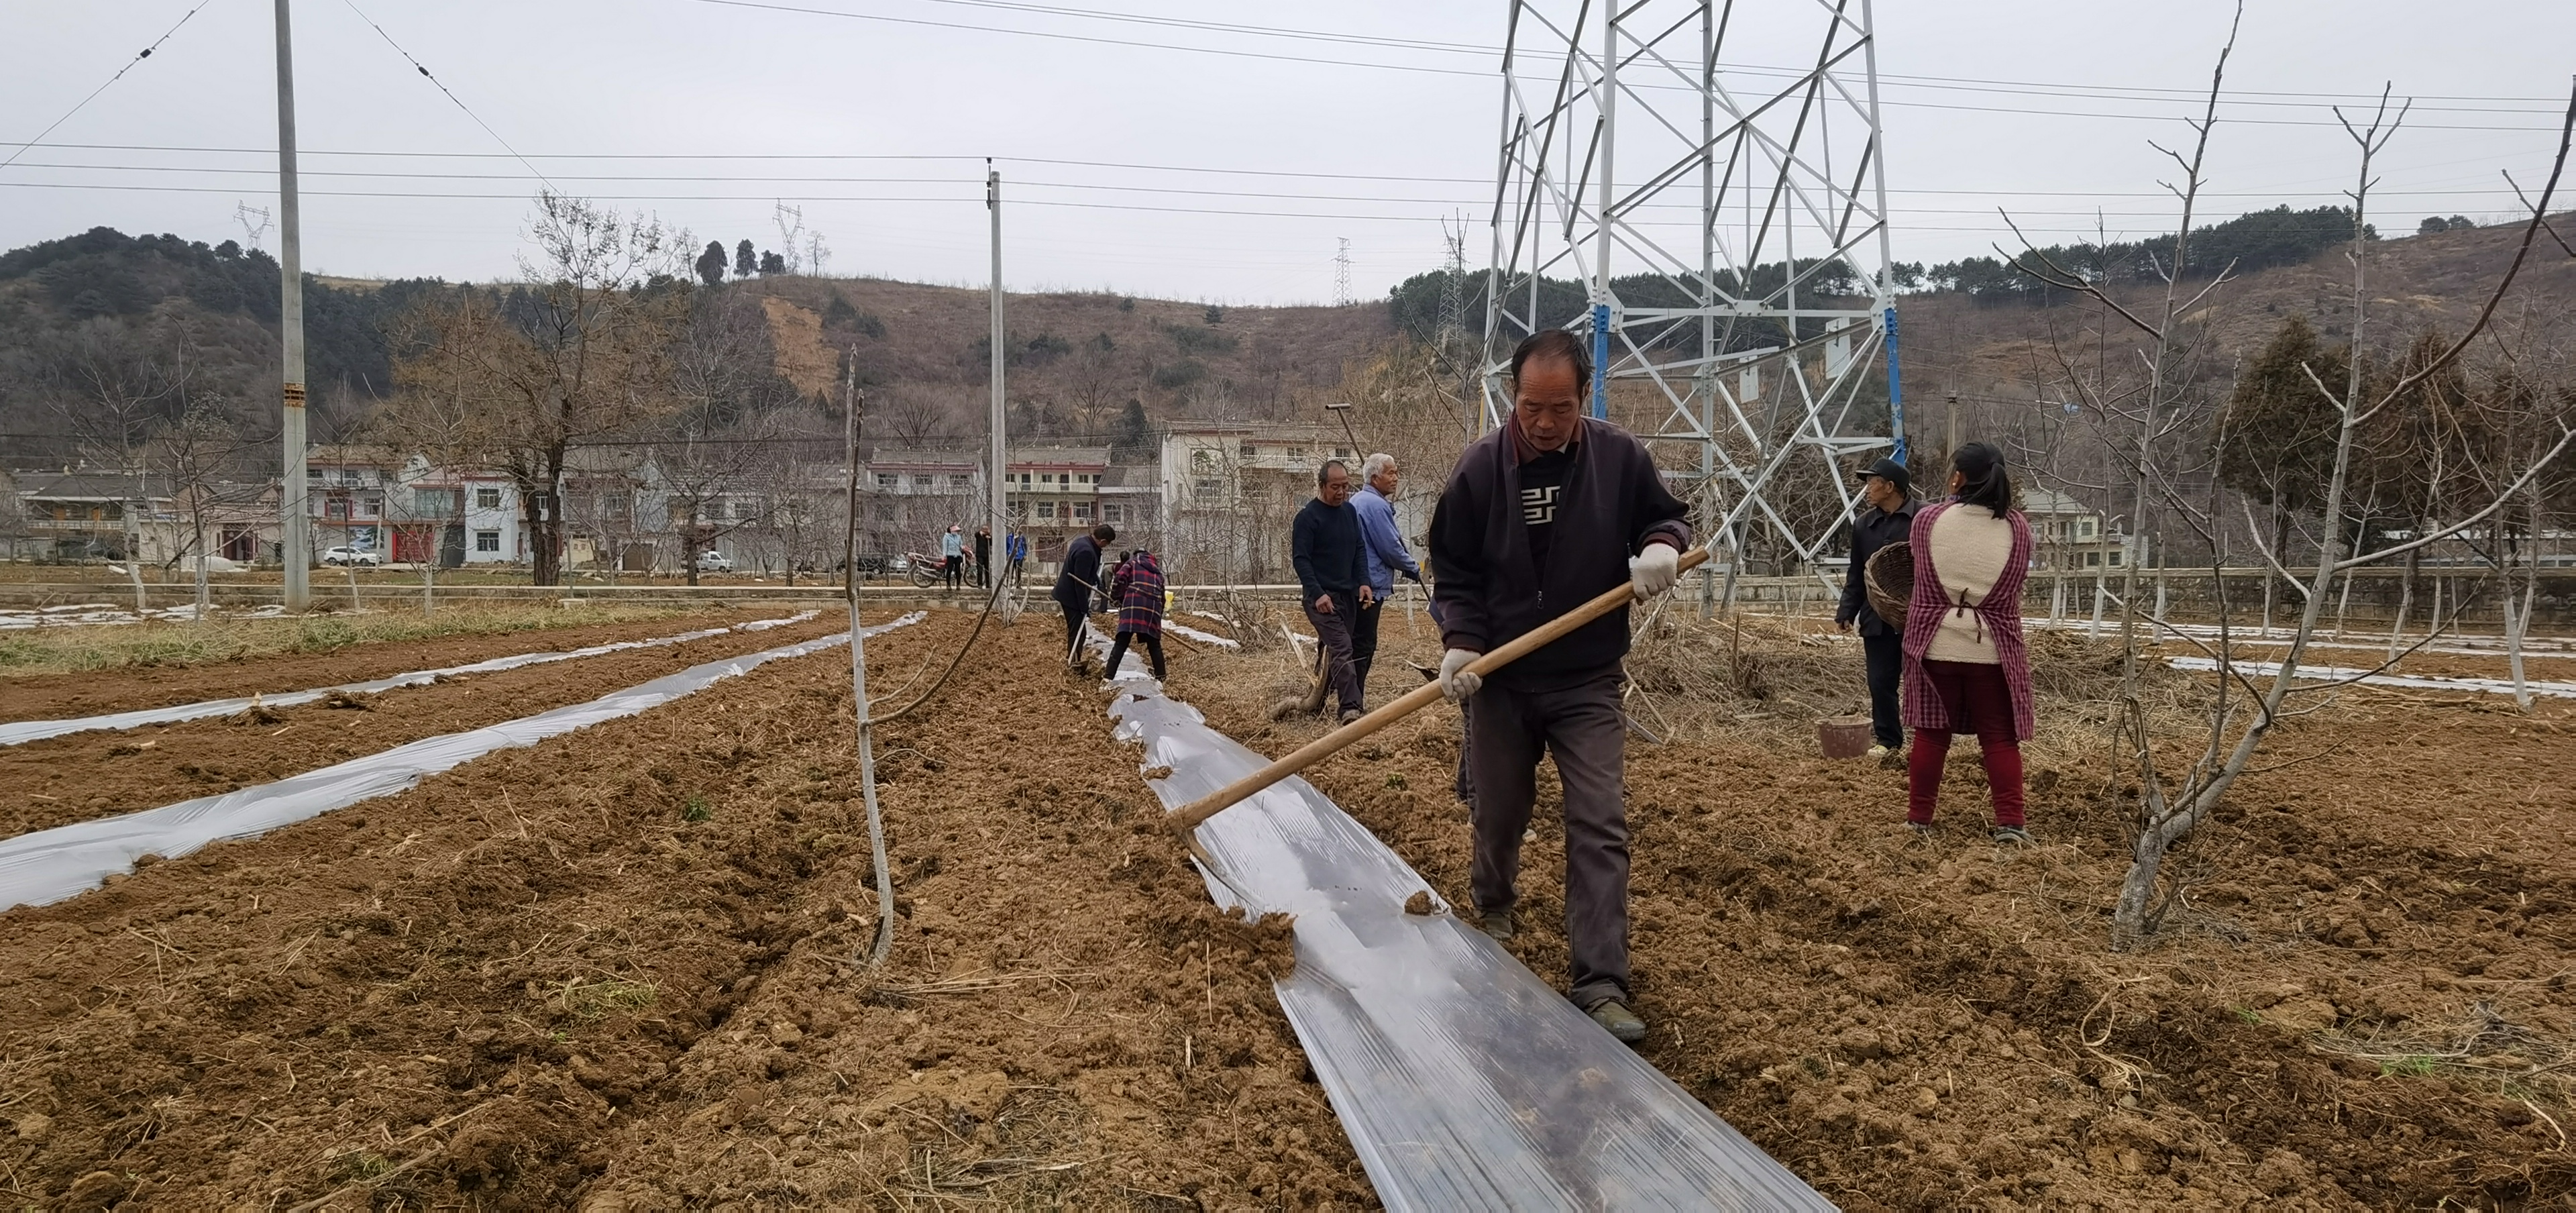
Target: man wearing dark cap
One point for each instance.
(1886, 516)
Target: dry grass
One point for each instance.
(110, 647)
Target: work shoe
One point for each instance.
(1881, 753)
(2012, 835)
(1350, 714)
(1495, 923)
(1616, 1019)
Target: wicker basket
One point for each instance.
(1889, 576)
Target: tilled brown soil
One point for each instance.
(97, 692)
(2362, 1000)
(615, 970)
(79, 776)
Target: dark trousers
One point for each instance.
(956, 571)
(1118, 651)
(1465, 786)
(1334, 631)
(1508, 732)
(984, 566)
(1073, 621)
(1364, 641)
(1886, 671)
(1977, 701)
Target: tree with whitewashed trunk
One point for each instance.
(2145, 412)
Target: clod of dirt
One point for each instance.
(120, 751)
(343, 699)
(97, 1190)
(256, 713)
(1419, 903)
(1154, 773)
(34, 1127)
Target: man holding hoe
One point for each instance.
(1539, 517)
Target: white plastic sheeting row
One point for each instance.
(2421, 682)
(1463, 1081)
(50, 865)
(24, 731)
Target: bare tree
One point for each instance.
(582, 352)
(2242, 711)
(191, 454)
(114, 388)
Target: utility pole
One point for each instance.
(294, 542)
(996, 490)
(1342, 274)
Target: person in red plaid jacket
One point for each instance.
(1966, 670)
(1137, 587)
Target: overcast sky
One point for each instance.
(874, 116)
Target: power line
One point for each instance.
(441, 86)
(139, 57)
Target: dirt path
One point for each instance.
(2369, 977)
(97, 692)
(80, 776)
(613, 968)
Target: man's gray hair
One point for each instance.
(1374, 464)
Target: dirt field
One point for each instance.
(2364, 1001)
(615, 970)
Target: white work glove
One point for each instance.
(1455, 681)
(1654, 571)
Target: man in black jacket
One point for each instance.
(1075, 585)
(1886, 516)
(1539, 517)
(1332, 568)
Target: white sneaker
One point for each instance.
(1880, 752)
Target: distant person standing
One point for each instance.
(1965, 667)
(1138, 589)
(1076, 584)
(984, 557)
(952, 545)
(1886, 516)
(1018, 546)
(1332, 571)
(1386, 555)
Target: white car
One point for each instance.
(348, 555)
(715, 562)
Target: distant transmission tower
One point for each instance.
(1342, 275)
(1706, 228)
(244, 213)
(1459, 365)
(791, 234)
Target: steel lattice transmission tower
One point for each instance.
(1695, 186)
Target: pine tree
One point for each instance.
(2276, 436)
(711, 263)
(745, 262)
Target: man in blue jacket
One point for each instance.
(1386, 555)
(1540, 516)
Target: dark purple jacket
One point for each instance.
(1489, 591)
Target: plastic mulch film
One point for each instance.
(50, 865)
(1463, 1081)
(24, 731)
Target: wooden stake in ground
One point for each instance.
(859, 692)
(1187, 817)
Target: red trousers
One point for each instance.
(1974, 695)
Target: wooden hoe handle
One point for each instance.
(1188, 816)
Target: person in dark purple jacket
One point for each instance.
(1539, 517)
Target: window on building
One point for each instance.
(431, 503)
(885, 480)
(336, 507)
(1047, 478)
(1081, 511)
(746, 509)
(2092, 560)
(923, 482)
(2084, 528)
(1209, 490)
(487, 499)
(1244, 451)
(961, 482)
(1046, 509)
(487, 541)
(1113, 513)
(1341, 452)
(2115, 560)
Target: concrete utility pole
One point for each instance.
(996, 487)
(295, 545)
